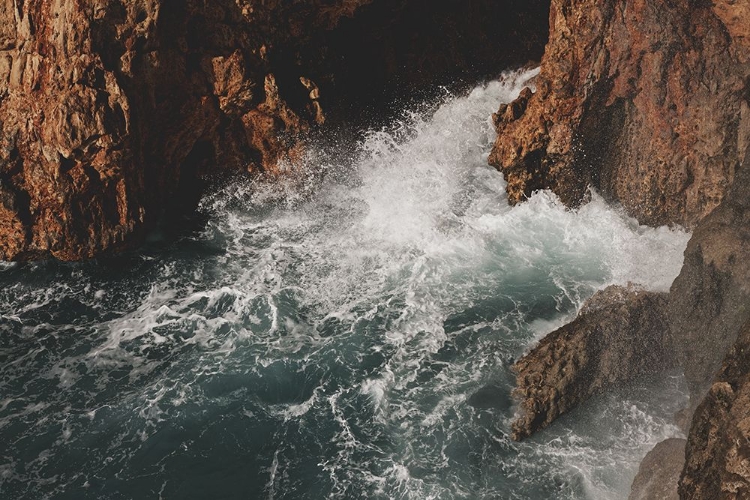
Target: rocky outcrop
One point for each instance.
(718, 451)
(705, 315)
(649, 102)
(659, 472)
(619, 334)
(112, 112)
(709, 301)
(644, 100)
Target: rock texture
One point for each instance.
(718, 451)
(111, 112)
(709, 302)
(659, 473)
(705, 315)
(644, 100)
(649, 102)
(619, 334)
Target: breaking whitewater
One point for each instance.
(347, 335)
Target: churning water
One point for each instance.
(345, 336)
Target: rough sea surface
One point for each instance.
(347, 335)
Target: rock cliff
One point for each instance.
(709, 301)
(649, 102)
(644, 100)
(112, 112)
(659, 472)
(718, 451)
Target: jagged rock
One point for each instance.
(659, 472)
(513, 110)
(620, 334)
(644, 100)
(108, 113)
(649, 102)
(113, 111)
(718, 450)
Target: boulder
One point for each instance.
(620, 333)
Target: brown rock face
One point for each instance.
(659, 472)
(112, 112)
(709, 301)
(644, 100)
(648, 101)
(718, 451)
(110, 109)
(619, 334)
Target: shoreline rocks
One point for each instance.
(645, 100)
(709, 301)
(649, 103)
(620, 334)
(718, 448)
(112, 113)
(659, 473)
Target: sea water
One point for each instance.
(346, 331)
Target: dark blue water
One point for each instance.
(349, 337)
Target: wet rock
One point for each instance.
(643, 100)
(710, 299)
(718, 450)
(659, 472)
(620, 334)
(513, 110)
(648, 102)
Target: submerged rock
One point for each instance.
(620, 333)
(491, 396)
(644, 100)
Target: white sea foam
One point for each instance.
(359, 305)
(423, 220)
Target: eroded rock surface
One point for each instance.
(718, 451)
(112, 111)
(644, 100)
(619, 334)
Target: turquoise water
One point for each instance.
(344, 333)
